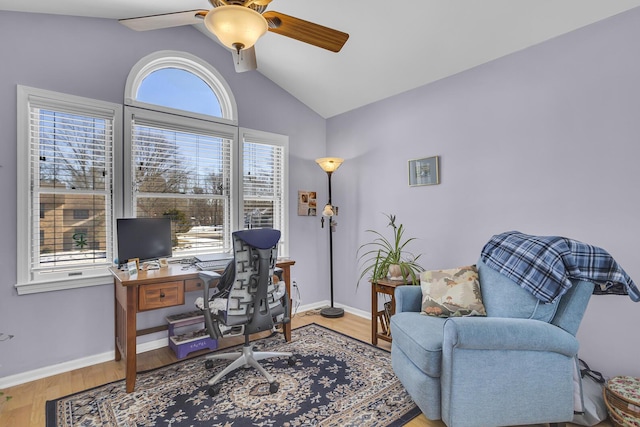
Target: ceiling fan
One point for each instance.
(238, 24)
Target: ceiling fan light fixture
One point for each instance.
(237, 27)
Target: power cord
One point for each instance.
(295, 298)
(314, 312)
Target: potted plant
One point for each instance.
(382, 256)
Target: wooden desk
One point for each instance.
(152, 290)
(388, 287)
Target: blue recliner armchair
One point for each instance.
(516, 366)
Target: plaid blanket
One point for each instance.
(545, 265)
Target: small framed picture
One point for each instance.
(132, 268)
(424, 171)
(307, 203)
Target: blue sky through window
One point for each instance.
(180, 89)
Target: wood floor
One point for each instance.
(26, 406)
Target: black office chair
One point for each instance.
(247, 304)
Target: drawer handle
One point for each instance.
(161, 294)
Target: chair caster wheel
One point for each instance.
(292, 360)
(208, 364)
(273, 387)
(214, 390)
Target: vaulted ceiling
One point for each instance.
(394, 46)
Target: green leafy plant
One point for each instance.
(377, 256)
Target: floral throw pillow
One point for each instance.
(452, 293)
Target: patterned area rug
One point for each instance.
(337, 381)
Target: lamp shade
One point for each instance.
(237, 27)
(329, 164)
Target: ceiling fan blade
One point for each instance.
(165, 20)
(245, 60)
(305, 31)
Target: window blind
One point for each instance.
(71, 169)
(183, 171)
(262, 184)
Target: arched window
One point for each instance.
(186, 158)
(179, 89)
(175, 82)
(180, 135)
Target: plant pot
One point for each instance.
(395, 272)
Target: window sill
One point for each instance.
(59, 285)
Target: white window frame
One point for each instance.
(27, 283)
(188, 62)
(281, 221)
(188, 120)
(28, 280)
(188, 125)
(181, 60)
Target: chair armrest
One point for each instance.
(408, 298)
(494, 333)
(209, 277)
(506, 371)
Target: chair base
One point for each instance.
(245, 359)
(332, 312)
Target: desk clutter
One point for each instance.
(622, 397)
(212, 261)
(190, 341)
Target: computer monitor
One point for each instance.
(143, 238)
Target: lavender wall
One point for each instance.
(92, 58)
(544, 141)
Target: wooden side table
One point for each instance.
(388, 287)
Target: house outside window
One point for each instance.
(81, 214)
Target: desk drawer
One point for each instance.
(193, 285)
(160, 295)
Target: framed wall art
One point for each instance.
(307, 203)
(424, 171)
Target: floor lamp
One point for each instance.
(329, 165)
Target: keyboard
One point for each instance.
(211, 265)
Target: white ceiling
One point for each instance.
(394, 46)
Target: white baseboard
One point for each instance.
(346, 308)
(152, 345)
(357, 312)
(47, 371)
(60, 368)
(71, 365)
